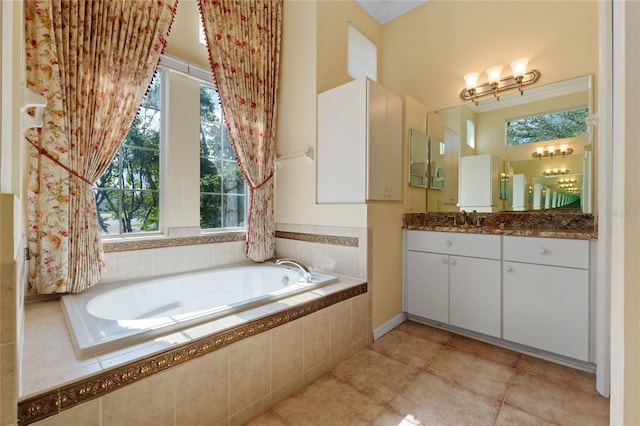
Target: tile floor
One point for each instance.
(419, 375)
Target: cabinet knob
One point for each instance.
(452, 261)
(444, 260)
(543, 250)
(508, 268)
(448, 243)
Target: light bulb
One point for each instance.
(494, 74)
(471, 80)
(519, 67)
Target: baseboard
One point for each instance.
(389, 325)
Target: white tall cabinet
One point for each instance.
(479, 183)
(359, 152)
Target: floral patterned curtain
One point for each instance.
(92, 60)
(243, 39)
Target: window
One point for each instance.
(223, 195)
(362, 55)
(128, 193)
(546, 127)
(471, 134)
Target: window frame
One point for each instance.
(162, 148)
(167, 65)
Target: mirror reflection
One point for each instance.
(546, 174)
(418, 158)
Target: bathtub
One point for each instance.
(112, 316)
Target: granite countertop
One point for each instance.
(538, 224)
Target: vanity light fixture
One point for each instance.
(520, 77)
(563, 181)
(555, 171)
(551, 151)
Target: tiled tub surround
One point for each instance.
(225, 384)
(541, 224)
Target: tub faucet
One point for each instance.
(306, 273)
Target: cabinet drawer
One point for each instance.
(472, 245)
(547, 251)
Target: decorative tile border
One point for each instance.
(117, 245)
(55, 401)
(112, 246)
(319, 238)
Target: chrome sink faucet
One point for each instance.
(306, 273)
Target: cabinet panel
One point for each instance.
(475, 294)
(485, 246)
(547, 307)
(547, 251)
(359, 149)
(385, 145)
(341, 117)
(428, 285)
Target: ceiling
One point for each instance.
(384, 11)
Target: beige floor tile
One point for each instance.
(485, 350)
(430, 333)
(561, 404)
(375, 374)
(510, 416)
(408, 348)
(329, 402)
(266, 419)
(389, 417)
(560, 374)
(434, 401)
(476, 374)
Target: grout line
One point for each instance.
(506, 392)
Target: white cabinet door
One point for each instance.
(474, 291)
(359, 148)
(428, 285)
(547, 307)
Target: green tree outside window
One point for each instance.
(546, 127)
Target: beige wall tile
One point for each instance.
(286, 353)
(360, 317)
(86, 414)
(148, 402)
(283, 392)
(7, 303)
(341, 330)
(168, 260)
(249, 371)
(317, 338)
(199, 256)
(228, 253)
(8, 388)
(247, 413)
(202, 389)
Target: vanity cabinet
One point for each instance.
(454, 279)
(547, 294)
(359, 151)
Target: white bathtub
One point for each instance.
(112, 316)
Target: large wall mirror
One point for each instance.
(532, 177)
